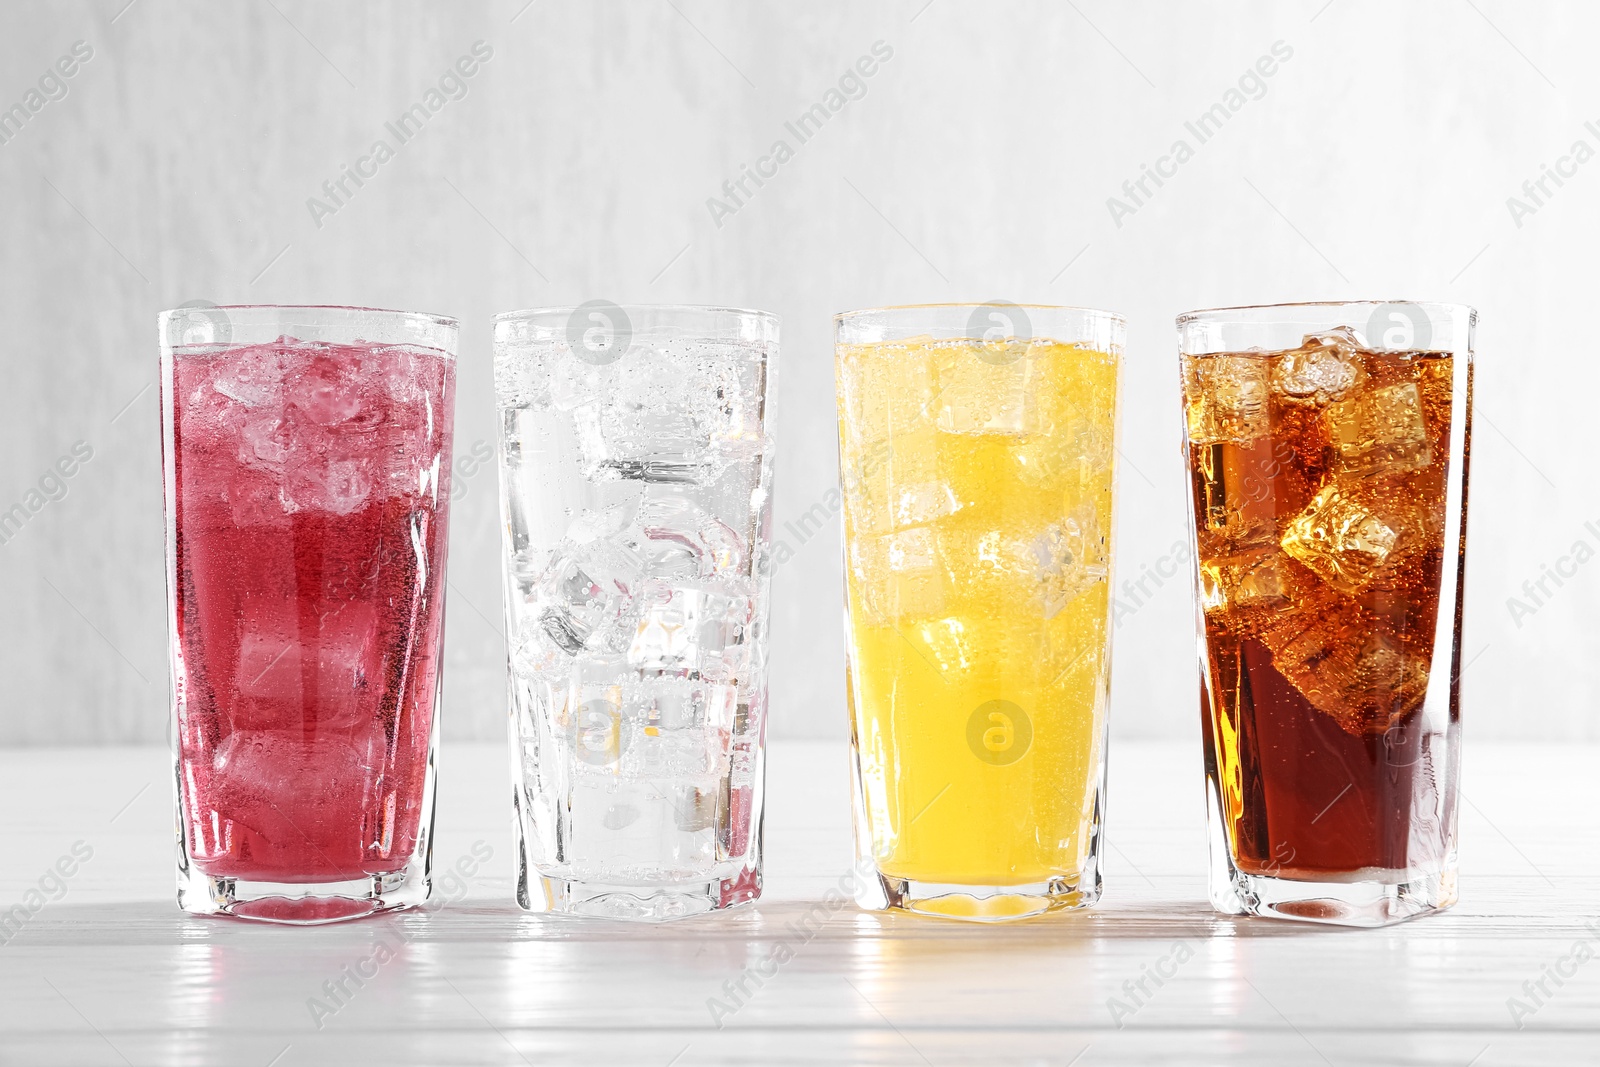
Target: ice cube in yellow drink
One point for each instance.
(978, 487)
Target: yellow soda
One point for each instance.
(978, 517)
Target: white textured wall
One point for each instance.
(977, 165)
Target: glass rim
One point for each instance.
(568, 309)
(844, 315)
(1429, 306)
(437, 320)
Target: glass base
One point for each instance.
(302, 903)
(986, 903)
(640, 903)
(1361, 898)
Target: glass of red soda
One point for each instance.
(306, 459)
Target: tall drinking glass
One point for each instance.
(636, 478)
(1327, 448)
(306, 454)
(977, 448)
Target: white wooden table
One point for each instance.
(112, 973)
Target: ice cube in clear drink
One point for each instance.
(666, 636)
(583, 598)
(672, 416)
(677, 538)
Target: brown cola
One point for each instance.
(1319, 480)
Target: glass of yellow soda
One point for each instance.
(977, 448)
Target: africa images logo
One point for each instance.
(599, 332)
(999, 732)
(1002, 332)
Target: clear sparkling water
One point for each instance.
(635, 505)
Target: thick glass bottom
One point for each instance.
(302, 903)
(640, 903)
(1365, 896)
(986, 903)
(1360, 898)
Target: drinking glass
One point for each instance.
(977, 447)
(306, 454)
(636, 477)
(1327, 451)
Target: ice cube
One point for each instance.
(268, 667)
(632, 829)
(670, 619)
(589, 718)
(287, 666)
(677, 538)
(887, 390)
(946, 645)
(1024, 566)
(677, 727)
(977, 396)
(1341, 539)
(1237, 496)
(596, 677)
(1347, 339)
(900, 574)
(326, 392)
(1325, 368)
(696, 809)
(726, 633)
(525, 375)
(1381, 430)
(337, 485)
(1348, 669)
(290, 792)
(1079, 449)
(671, 704)
(1252, 578)
(256, 499)
(576, 383)
(266, 442)
(252, 376)
(891, 474)
(1227, 398)
(535, 656)
(673, 416)
(895, 483)
(1069, 558)
(584, 596)
(653, 453)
